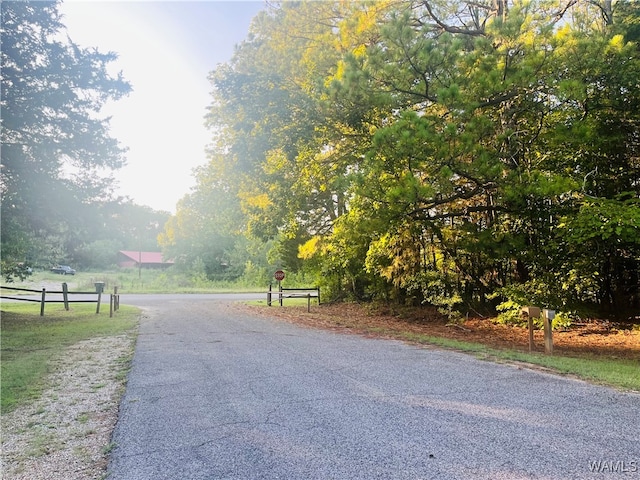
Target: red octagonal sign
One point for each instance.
(279, 275)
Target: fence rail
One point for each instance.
(281, 293)
(114, 303)
(20, 290)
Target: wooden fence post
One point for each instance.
(547, 317)
(44, 294)
(98, 306)
(65, 295)
(530, 312)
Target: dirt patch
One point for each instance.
(599, 338)
(66, 434)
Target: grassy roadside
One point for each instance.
(29, 341)
(618, 373)
(133, 281)
(603, 369)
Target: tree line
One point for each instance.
(472, 155)
(56, 186)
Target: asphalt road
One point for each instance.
(215, 393)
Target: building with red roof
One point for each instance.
(133, 258)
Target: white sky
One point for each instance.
(166, 50)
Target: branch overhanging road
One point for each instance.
(216, 393)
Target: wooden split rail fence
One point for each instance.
(67, 297)
(282, 293)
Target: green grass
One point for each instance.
(171, 280)
(29, 341)
(286, 302)
(130, 280)
(619, 373)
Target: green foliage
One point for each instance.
(203, 238)
(335, 261)
(532, 294)
(441, 152)
(17, 271)
(100, 254)
(510, 313)
(438, 290)
(615, 220)
(56, 147)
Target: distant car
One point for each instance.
(63, 270)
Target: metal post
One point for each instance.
(308, 302)
(280, 290)
(98, 306)
(269, 296)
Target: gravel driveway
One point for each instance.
(215, 393)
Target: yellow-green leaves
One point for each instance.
(435, 148)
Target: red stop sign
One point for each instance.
(279, 275)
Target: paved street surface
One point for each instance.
(215, 393)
